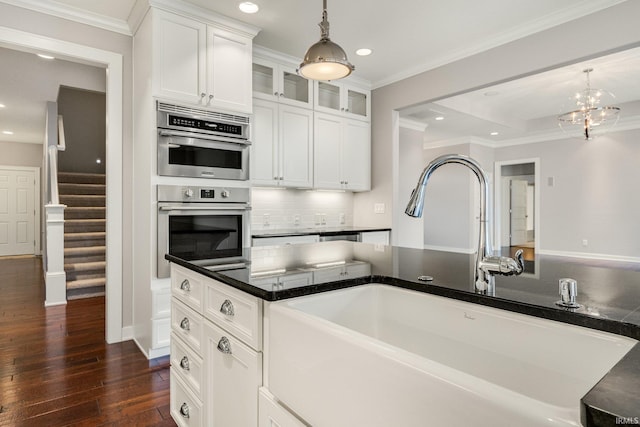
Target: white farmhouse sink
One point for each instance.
(377, 355)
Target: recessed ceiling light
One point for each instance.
(2, 105)
(494, 133)
(491, 93)
(248, 7)
(7, 132)
(364, 52)
(43, 56)
(438, 118)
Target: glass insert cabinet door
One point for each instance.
(341, 98)
(281, 83)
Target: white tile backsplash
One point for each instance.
(274, 209)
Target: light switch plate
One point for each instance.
(378, 208)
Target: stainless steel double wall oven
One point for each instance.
(206, 223)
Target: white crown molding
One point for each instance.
(543, 23)
(73, 13)
(413, 124)
(204, 15)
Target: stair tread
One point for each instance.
(84, 234)
(82, 249)
(86, 283)
(85, 266)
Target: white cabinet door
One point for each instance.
(342, 98)
(264, 147)
(233, 374)
(327, 141)
(356, 155)
(229, 70)
(342, 153)
(296, 146)
(282, 149)
(179, 58)
(281, 83)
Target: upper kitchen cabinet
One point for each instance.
(279, 81)
(282, 145)
(342, 153)
(342, 98)
(207, 64)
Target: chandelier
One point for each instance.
(325, 60)
(593, 116)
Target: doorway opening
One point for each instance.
(517, 207)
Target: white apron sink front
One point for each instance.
(377, 355)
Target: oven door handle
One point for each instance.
(234, 207)
(166, 132)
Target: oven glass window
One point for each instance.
(207, 157)
(196, 237)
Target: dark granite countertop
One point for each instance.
(609, 292)
(323, 231)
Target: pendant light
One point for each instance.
(325, 60)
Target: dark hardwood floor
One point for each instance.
(56, 368)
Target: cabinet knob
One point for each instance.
(227, 308)
(185, 285)
(281, 95)
(184, 363)
(342, 109)
(184, 410)
(224, 346)
(202, 95)
(346, 109)
(184, 324)
(275, 93)
(210, 97)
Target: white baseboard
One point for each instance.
(154, 352)
(587, 255)
(449, 249)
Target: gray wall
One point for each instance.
(84, 116)
(62, 29)
(409, 230)
(617, 29)
(594, 196)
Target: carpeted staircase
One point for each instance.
(84, 233)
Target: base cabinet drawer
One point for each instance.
(187, 324)
(233, 374)
(187, 365)
(274, 415)
(186, 409)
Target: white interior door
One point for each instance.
(17, 212)
(518, 212)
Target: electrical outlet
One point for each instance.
(296, 220)
(318, 219)
(585, 242)
(266, 220)
(342, 218)
(323, 219)
(378, 208)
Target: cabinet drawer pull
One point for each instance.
(184, 363)
(224, 345)
(185, 285)
(184, 410)
(185, 324)
(227, 308)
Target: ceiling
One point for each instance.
(406, 36)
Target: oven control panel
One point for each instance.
(188, 194)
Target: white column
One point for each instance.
(55, 277)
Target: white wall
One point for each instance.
(283, 205)
(617, 29)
